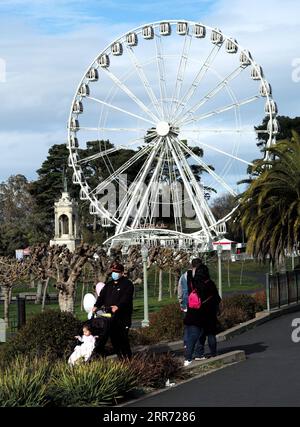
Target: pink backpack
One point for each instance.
(194, 301)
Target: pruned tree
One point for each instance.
(171, 260)
(64, 267)
(134, 264)
(12, 273)
(68, 267)
(41, 267)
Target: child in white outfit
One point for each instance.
(86, 348)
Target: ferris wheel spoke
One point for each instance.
(196, 186)
(100, 187)
(129, 192)
(154, 197)
(119, 109)
(161, 74)
(218, 130)
(102, 129)
(222, 152)
(187, 181)
(124, 202)
(181, 71)
(212, 93)
(144, 200)
(109, 151)
(124, 220)
(196, 82)
(221, 110)
(174, 192)
(100, 154)
(207, 168)
(142, 76)
(131, 95)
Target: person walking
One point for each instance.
(182, 294)
(117, 298)
(200, 320)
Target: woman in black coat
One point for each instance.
(202, 322)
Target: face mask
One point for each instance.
(115, 276)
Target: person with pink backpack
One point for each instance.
(201, 316)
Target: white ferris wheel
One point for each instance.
(184, 99)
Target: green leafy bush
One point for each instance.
(153, 370)
(50, 333)
(165, 325)
(24, 382)
(101, 382)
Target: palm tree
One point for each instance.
(269, 209)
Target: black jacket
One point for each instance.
(119, 293)
(206, 316)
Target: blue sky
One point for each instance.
(56, 16)
(47, 45)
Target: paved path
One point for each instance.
(269, 377)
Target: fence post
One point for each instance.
(2, 330)
(21, 301)
(288, 287)
(278, 288)
(297, 284)
(268, 291)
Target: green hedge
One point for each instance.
(50, 333)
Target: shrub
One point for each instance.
(166, 324)
(245, 302)
(101, 382)
(261, 300)
(231, 316)
(236, 309)
(50, 333)
(139, 337)
(153, 370)
(24, 382)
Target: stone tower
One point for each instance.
(66, 222)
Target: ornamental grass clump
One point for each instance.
(23, 383)
(101, 382)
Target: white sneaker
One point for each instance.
(200, 358)
(187, 362)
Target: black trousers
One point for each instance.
(118, 334)
(120, 340)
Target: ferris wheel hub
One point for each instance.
(162, 128)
